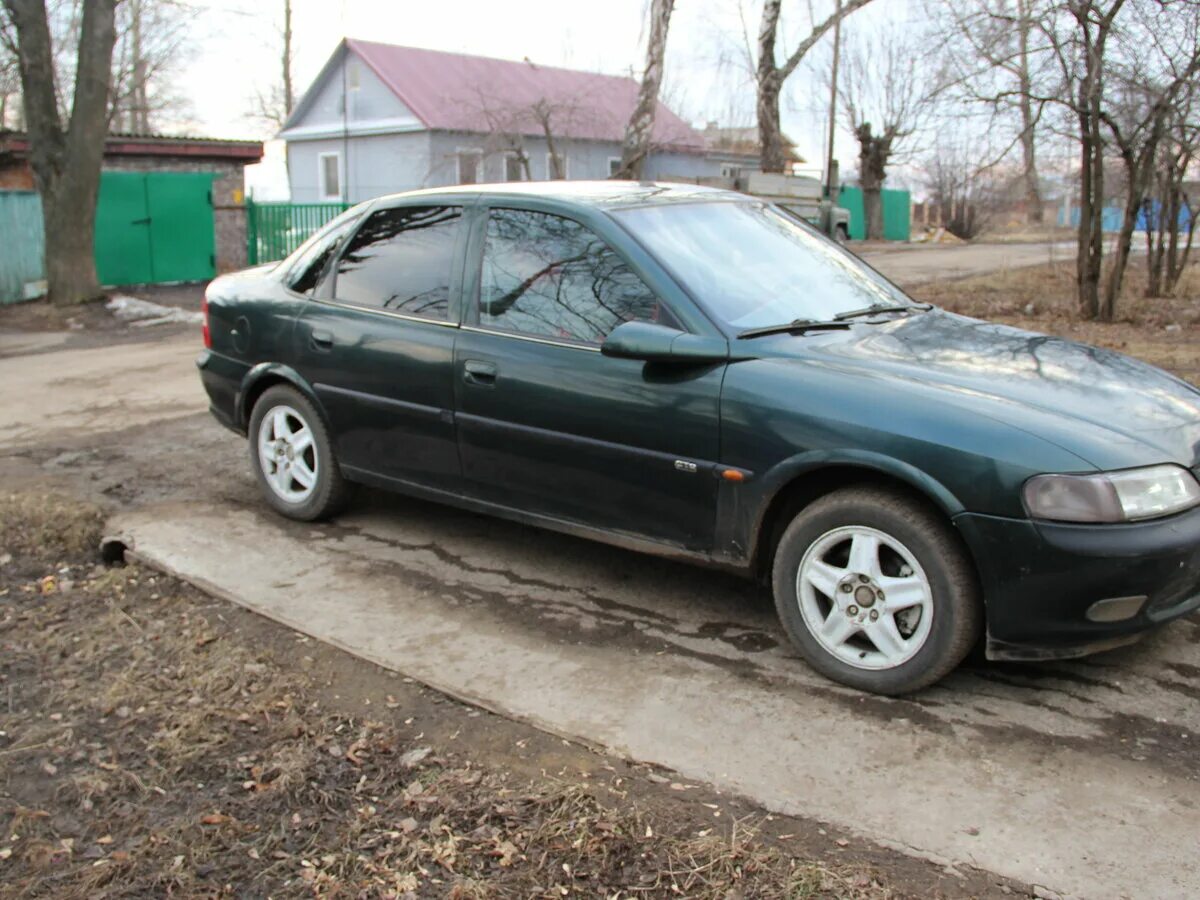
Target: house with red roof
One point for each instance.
(381, 118)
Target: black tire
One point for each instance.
(330, 491)
(957, 611)
(842, 234)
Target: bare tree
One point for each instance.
(1169, 200)
(994, 58)
(639, 131)
(66, 157)
(770, 75)
(961, 188)
(1161, 64)
(10, 85)
(885, 99)
(275, 105)
(151, 42)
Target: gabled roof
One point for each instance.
(478, 94)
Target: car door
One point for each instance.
(377, 345)
(547, 424)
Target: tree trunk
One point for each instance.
(873, 154)
(1112, 289)
(773, 156)
(639, 131)
(770, 130)
(1033, 192)
(289, 94)
(1091, 220)
(66, 162)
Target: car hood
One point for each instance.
(1110, 410)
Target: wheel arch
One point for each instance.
(262, 377)
(794, 484)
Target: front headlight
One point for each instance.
(1112, 496)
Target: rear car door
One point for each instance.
(377, 345)
(546, 423)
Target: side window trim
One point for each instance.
(472, 292)
(293, 271)
(327, 292)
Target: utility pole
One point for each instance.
(833, 80)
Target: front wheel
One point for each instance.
(292, 456)
(875, 591)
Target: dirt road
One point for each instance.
(909, 264)
(1076, 776)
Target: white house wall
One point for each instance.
(585, 159)
(372, 165)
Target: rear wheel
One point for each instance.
(292, 456)
(875, 591)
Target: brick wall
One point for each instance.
(229, 211)
(16, 176)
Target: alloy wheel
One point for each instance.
(287, 454)
(864, 597)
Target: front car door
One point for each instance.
(546, 424)
(377, 344)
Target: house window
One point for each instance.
(563, 165)
(513, 169)
(614, 165)
(470, 162)
(329, 173)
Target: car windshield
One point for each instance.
(752, 266)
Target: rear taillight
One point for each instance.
(204, 329)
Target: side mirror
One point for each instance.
(657, 343)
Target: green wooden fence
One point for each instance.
(22, 246)
(273, 230)
(897, 213)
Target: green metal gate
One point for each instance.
(155, 226)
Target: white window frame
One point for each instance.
(566, 163)
(322, 186)
(459, 153)
(513, 154)
(612, 170)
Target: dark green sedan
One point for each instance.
(699, 374)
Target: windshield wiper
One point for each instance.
(796, 326)
(882, 308)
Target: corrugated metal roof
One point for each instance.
(456, 92)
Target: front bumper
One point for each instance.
(1040, 579)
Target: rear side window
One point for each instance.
(306, 273)
(400, 260)
(548, 276)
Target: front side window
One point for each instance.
(310, 265)
(400, 260)
(551, 277)
(752, 266)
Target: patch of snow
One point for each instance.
(142, 313)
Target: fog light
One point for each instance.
(1115, 609)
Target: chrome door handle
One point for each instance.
(480, 373)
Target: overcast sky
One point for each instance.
(235, 48)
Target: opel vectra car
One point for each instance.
(699, 374)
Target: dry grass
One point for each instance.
(1162, 331)
(146, 751)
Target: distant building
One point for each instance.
(381, 118)
(736, 150)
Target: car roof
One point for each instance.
(609, 194)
